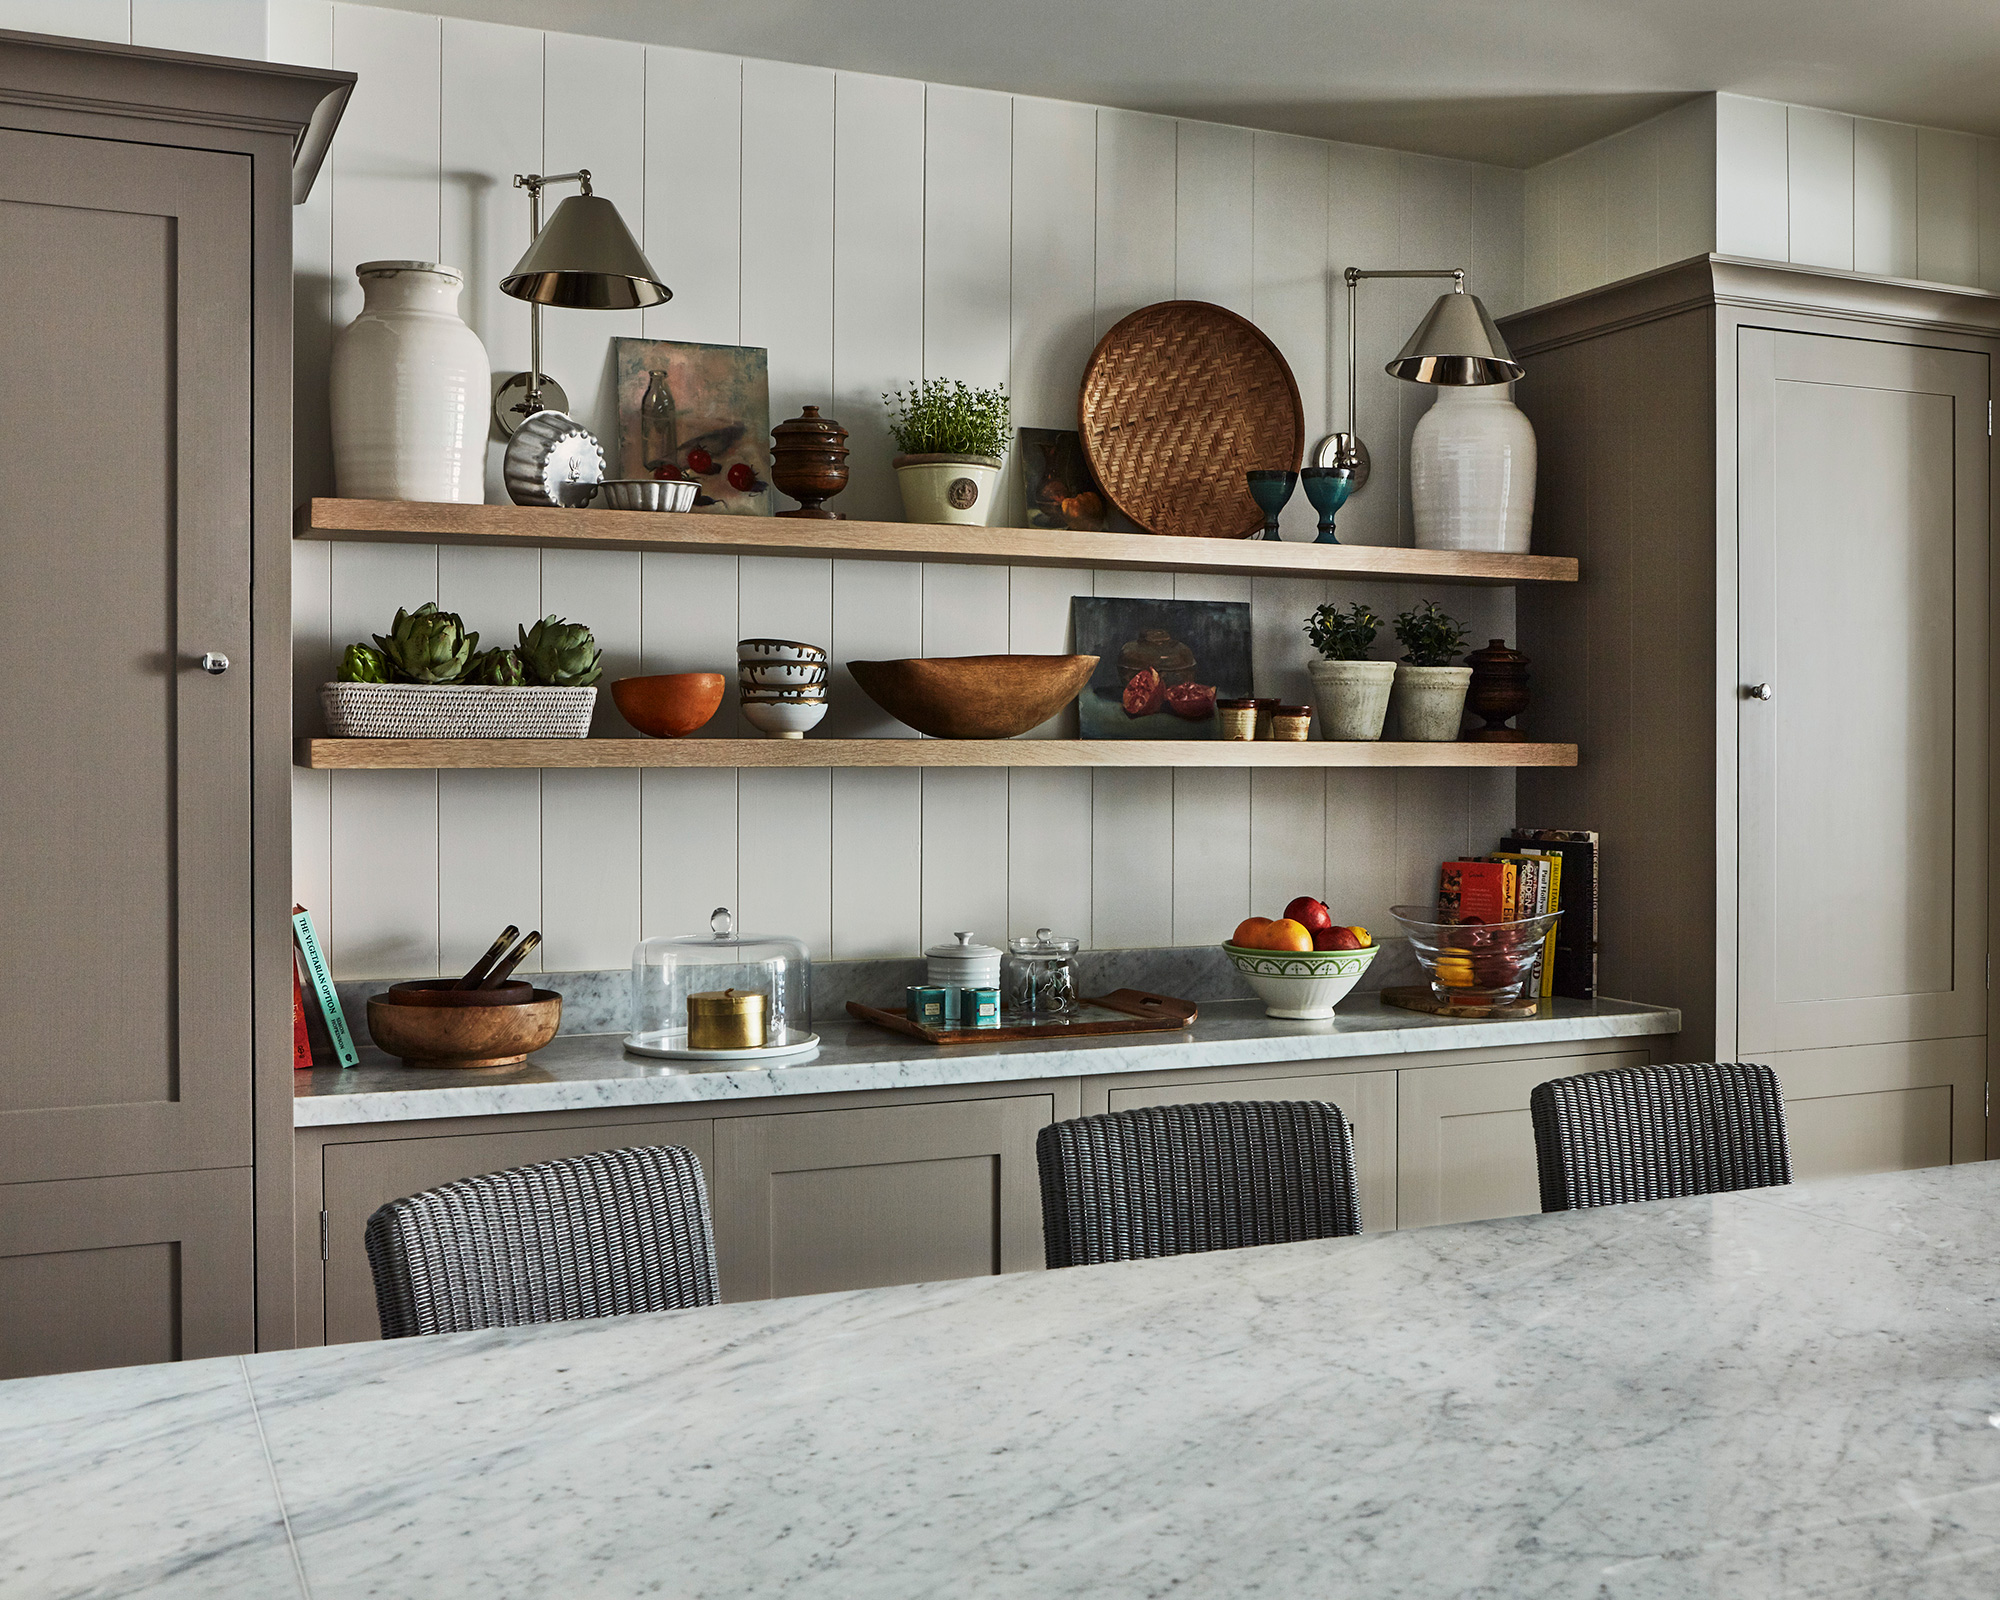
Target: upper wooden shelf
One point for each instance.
(425, 522)
(811, 752)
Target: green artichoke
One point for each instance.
(363, 663)
(499, 669)
(561, 654)
(428, 645)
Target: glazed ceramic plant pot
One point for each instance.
(1353, 697)
(949, 488)
(1430, 702)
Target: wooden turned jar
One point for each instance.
(1499, 690)
(809, 463)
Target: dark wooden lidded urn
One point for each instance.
(1499, 690)
(809, 463)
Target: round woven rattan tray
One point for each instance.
(1179, 401)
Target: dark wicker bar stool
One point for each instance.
(601, 1235)
(1657, 1133)
(1171, 1180)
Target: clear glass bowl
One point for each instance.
(1474, 963)
(666, 971)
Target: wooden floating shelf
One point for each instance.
(425, 522)
(364, 754)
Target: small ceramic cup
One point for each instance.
(1236, 719)
(783, 719)
(783, 674)
(1292, 723)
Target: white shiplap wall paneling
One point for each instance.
(1052, 285)
(694, 196)
(1361, 858)
(964, 854)
(878, 846)
(1498, 239)
(590, 869)
(784, 855)
(878, 281)
(382, 864)
(1820, 185)
(1751, 210)
(1049, 852)
(1287, 839)
(1135, 213)
(1989, 215)
(490, 128)
(1289, 291)
(1211, 865)
(202, 27)
(385, 160)
(788, 228)
(1632, 202)
(108, 20)
(1538, 222)
(1686, 167)
(687, 844)
(489, 868)
(1214, 189)
(1947, 206)
(301, 33)
(1434, 206)
(1885, 198)
(1363, 228)
(688, 623)
(1431, 826)
(1132, 823)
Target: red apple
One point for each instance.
(1310, 913)
(1337, 939)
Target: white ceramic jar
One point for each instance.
(949, 488)
(1472, 471)
(410, 389)
(961, 965)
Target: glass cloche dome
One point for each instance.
(724, 972)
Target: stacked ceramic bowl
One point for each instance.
(783, 685)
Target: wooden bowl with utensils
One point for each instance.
(446, 992)
(427, 1034)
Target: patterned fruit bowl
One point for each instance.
(1300, 985)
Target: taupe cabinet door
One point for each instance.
(125, 1039)
(1862, 809)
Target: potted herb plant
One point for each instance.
(952, 442)
(1352, 691)
(1430, 691)
(427, 678)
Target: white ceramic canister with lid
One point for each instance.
(410, 390)
(963, 965)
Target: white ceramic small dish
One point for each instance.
(1300, 985)
(783, 720)
(783, 674)
(663, 1045)
(783, 697)
(778, 650)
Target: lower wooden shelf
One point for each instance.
(363, 754)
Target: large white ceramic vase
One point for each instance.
(1472, 471)
(410, 389)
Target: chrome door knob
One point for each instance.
(1757, 691)
(214, 662)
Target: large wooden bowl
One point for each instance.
(974, 697)
(670, 704)
(464, 1036)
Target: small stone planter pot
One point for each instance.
(949, 488)
(1353, 697)
(1430, 702)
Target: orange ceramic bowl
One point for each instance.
(672, 704)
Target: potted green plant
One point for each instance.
(951, 441)
(427, 678)
(1352, 691)
(1430, 692)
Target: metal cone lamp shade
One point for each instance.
(1456, 344)
(586, 258)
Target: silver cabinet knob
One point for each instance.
(1757, 691)
(214, 662)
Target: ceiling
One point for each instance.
(1508, 81)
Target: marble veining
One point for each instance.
(1779, 1393)
(590, 1071)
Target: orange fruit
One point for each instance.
(1286, 934)
(1249, 933)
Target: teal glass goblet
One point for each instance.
(1271, 489)
(1328, 488)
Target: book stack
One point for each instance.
(1536, 871)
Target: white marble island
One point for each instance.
(1787, 1392)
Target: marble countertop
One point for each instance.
(580, 1072)
(1785, 1392)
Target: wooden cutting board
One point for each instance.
(1121, 1011)
(1415, 998)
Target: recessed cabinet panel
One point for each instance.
(1366, 1099)
(111, 1272)
(1862, 853)
(125, 546)
(1883, 1108)
(817, 1200)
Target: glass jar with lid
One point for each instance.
(1041, 975)
(745, 994)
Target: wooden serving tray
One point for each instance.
(1131, 1011)
(1414, 998)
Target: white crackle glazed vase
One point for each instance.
(410, 390)
(1472, 471)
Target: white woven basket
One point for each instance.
(454, 711)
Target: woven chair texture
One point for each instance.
(600, 1235)
(1179, 400)
(1172, 1180)
(1658, 1133)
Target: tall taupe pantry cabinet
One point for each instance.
(145, 499)
(1777, 666)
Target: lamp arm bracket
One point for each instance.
(535, 182)
(1354, 275)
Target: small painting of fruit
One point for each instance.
(1162, 665)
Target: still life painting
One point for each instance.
(1062, 493)
(1161, 665)
(697, 411)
